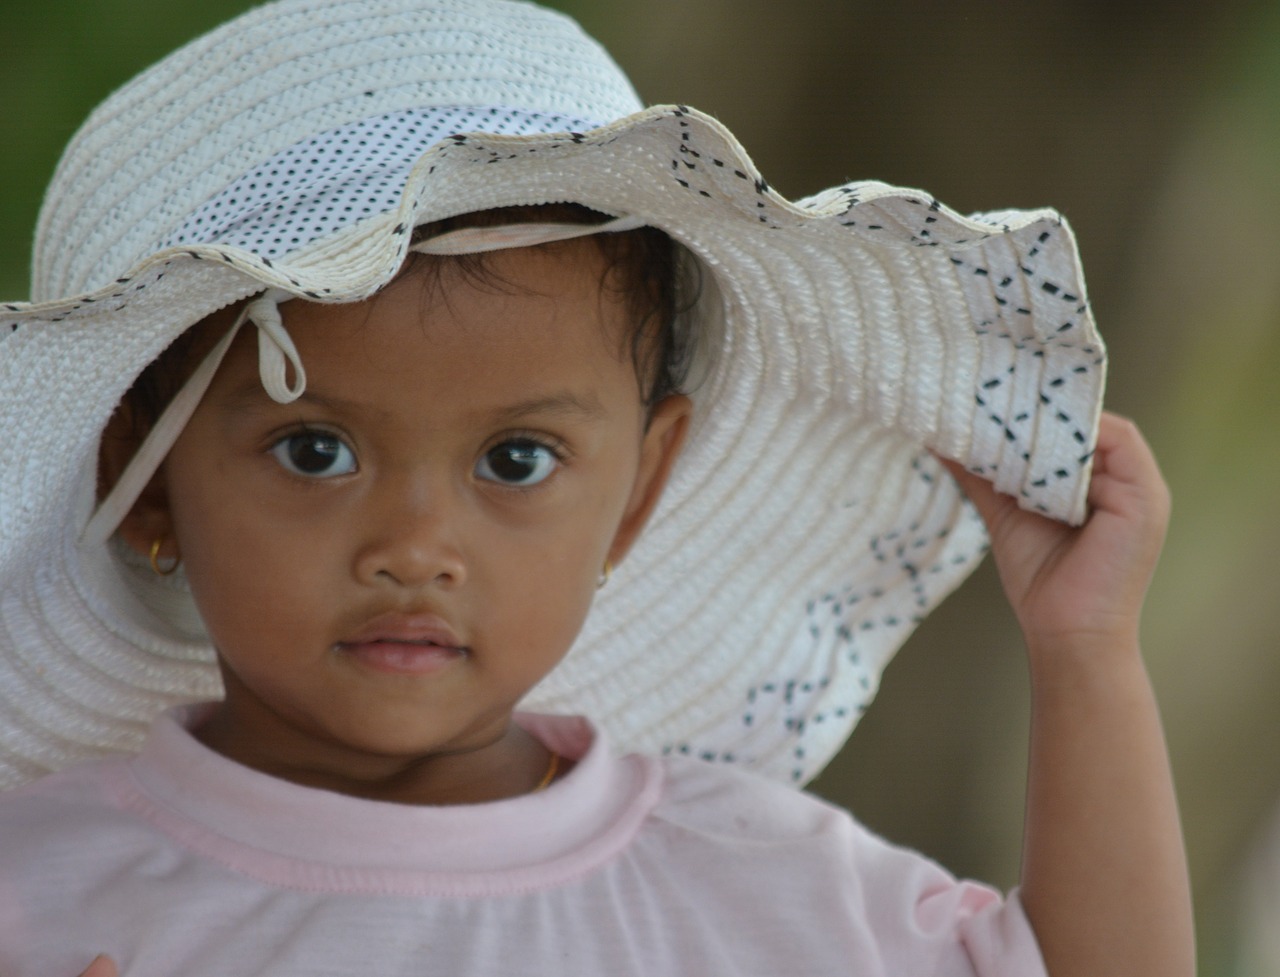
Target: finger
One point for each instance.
(991, 505)
(1125, 470)
(102, 966)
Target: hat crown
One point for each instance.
(181, 132)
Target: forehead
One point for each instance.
(524, 315)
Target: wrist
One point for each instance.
(1078, 659)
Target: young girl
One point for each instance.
(390, 370)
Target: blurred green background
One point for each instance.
(1155, 129)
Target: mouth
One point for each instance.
(404, 644)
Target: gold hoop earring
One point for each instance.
(604, 575)
(155, 559)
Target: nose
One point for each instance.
(411, 539)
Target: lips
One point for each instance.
(407, 644)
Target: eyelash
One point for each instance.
(278, 450)
(558, 449)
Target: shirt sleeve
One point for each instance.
(926, 922)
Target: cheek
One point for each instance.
(542, 588)
(243, 575)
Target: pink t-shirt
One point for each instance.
(181, 863)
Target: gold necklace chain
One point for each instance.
(552, 768)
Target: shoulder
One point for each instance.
(83, 785)
(78, 808)
(734, 801)
(719, 811)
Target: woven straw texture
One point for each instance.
(807, 528)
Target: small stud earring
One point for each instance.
(155, 559)
(604, 575)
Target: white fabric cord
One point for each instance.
(276, 353)
(476, 240)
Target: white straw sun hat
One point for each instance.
(806, 530)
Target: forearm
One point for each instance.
(1104, 879)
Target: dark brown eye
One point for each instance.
(314, 454)
(519, 462)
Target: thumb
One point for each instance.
(991, 505)
(102, 966)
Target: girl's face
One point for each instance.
(387, 565)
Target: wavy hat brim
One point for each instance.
(807, 527)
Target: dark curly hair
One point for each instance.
(644, 265)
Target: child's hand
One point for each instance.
(1104, 878)
(102, 966)
(1083, 584)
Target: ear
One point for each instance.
(149, 519)
(663, 441)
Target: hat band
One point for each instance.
(341, 176)
(277, 353)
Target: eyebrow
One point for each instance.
(250, 395)
(562, 404)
